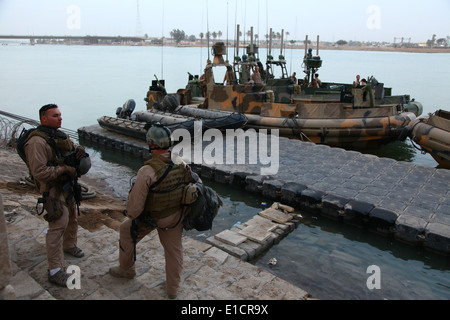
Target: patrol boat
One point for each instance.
(356, 124)
(136, 124)
(285, 89)
(432, 133)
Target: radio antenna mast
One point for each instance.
(138, 21)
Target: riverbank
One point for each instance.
(261, 46)
(209, 273)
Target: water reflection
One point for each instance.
(398, 150)
(329, 259)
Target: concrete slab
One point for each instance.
(275, 215)
(230, 237)
(262, 223)
(253, 232)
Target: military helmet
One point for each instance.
(85, 165)
(159, 135)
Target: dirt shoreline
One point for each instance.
(328, 47)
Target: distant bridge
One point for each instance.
(85, 39)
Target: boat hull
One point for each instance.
(334, 125)
(337, 132)
(433, 138)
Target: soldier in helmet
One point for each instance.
(154, 202)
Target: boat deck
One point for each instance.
(399, 199)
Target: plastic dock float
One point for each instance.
(403, 200)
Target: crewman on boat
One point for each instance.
(357, 83)
(294, 77)
(256, 76)
(203, 82)
(313, 84)
(230, 77)
(316, 77)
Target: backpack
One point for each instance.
(20, 143)
(200, 206)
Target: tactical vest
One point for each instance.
(59, 141)
(165, 199)
(61, 146)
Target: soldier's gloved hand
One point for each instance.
(70, 171)
(80, 152)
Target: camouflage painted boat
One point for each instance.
(432, 133)
(358, 123)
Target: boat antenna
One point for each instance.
(270, 42)
(227, 33)
(162, 40)
(258, 24)
(201, 42)
(207, 28)
(267, 28)
(235, 25)
(237, 39)
(317, 50)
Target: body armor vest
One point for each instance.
(58, 140)
(61, 146)
(165, 199)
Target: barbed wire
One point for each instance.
(11, 126)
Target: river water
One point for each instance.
(328, 259)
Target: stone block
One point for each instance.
(275, 215)
(234, 251)
(255, 233)
(230, 237)
(261, 222)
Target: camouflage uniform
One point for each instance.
(170, 237)
(62, 233)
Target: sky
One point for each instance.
(332, 20)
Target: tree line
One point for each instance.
(179, 35)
